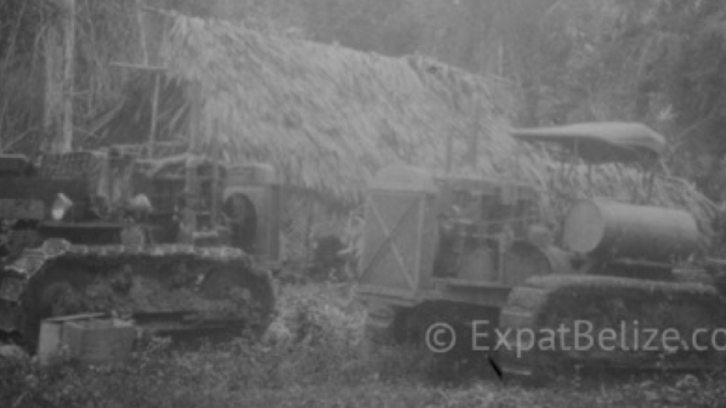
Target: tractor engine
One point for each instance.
(113, 197)
(490, 231)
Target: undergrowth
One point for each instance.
(314, 355)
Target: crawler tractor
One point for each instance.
(475, 255)
(179, 243)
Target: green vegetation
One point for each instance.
(314, 356)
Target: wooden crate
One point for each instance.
(90, 338)
(399, 235)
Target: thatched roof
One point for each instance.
(330, 116)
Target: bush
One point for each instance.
(315, 355)
(317, 339)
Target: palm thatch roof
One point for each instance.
(329, 117)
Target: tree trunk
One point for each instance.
(66, 142)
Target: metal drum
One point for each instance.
(618, 230)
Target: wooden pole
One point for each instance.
(52, 109)
(66, 142)
(215, 187)
(500, 59)
(191, 182)
(142, 31)
(194, 125)
(474, 139)
(154, 113)
(141, 67)
(449, 152)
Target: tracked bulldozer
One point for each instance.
(469, 268)
(181, 244)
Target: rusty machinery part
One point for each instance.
(599, 303)
(173, 289)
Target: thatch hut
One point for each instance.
(329, 117)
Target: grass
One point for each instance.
(314, 355)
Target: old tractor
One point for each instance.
(469, 268)
(180, 243)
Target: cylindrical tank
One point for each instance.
(617, 230)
